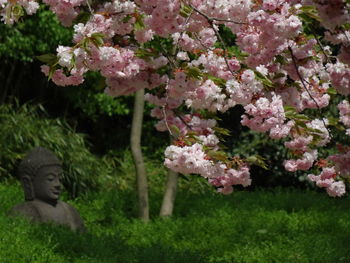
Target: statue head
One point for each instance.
(40, 172)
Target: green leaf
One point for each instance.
(185, 10)
(194, 72)
(258, 161)
(301, 124)
(313, 131)
(308, 8)
(98, 34)
(221, 131)
(72, 61)
(218, 81)
(145, 53)
(127, 18)
(51, 71)
(49, 59)
(309, 17)
(301, 117)
(346, 26)
(264, 80)
(279, 75)
(331, 91)
(333, 121)
(83, 17)
(288, 108)
(217, 155)
(175, 130)
(139, 22)
(237, 52)
(309, 12)
(97, 39)
(280, 59)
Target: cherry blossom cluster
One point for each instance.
(339, 74)
(66, 10)
(344, 111)
(315, 134)
(326, 179)
(232, 13)
(11, 11)
(163, 16)
(333, 14)
(193, 159)
(276, 71)
(269, 32)
(94, 50)
(265, 115)
(341, 161)
(215, 64)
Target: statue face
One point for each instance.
(47, 183)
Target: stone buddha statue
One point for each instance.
(40, 173)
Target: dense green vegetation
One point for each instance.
(25, 127)
(280, 226)
(31, 37)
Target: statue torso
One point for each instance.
(61, 213)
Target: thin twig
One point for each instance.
(322, 49)
(346, 35)
(184, 122)
(172, 62)
(228, 21)
(200, 42)
(212, 19)
(181, 34)
(89, 6)
(164, 111)
(211, 23)
(166, 122)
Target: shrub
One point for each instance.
(33, 37)
(25, 127)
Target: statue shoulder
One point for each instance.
(78, 223)
(69, 207)
(27, 209)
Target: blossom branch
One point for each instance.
(328, 59)
(213, 19)
(304, 86)
(212, 25)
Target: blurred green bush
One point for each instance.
(32, 37)
(24, 127)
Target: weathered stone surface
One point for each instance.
(40, 173)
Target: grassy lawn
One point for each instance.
(261, 226)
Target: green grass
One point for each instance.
(262, 226)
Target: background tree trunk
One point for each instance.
(135, 140)
(169, 194)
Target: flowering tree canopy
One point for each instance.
(285, 62)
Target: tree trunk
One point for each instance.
(135, 140)
(169, 195)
